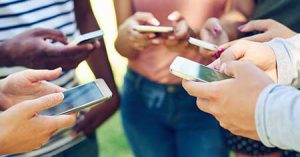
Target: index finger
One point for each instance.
(32, 107)
(61, 121)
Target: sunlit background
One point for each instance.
(111, 136)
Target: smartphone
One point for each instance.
(87, 38)
(193, 71)
(153, 29)
(81, 97)
(204, 44)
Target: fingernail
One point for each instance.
(241, 28)
(90, 47)
(222, 68)
(218, 53)
(155, 41)
(154, 22)
(174, 16)
(152, 35)
(217, 29)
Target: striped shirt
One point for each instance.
(17, 16)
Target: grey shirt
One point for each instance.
(278, 106)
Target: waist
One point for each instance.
(140, 82)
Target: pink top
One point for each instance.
(153, 63)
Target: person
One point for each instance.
(269, 110)
(54, 23)
(157, 114)
(253, 11)
(22, 96)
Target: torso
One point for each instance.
(154, 62)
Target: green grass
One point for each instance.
(113, 142)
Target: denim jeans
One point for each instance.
(164, 121)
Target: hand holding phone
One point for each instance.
(81, 97)
(193, 71)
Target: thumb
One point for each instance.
(50, 34)
(41, 75)
(146, 18)
(231, 68)
(175, 16)
(214, 26)
(32, 107)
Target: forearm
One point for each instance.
(98, 61)
(277, 117)
(287, 52)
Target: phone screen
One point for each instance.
(191, 70)
(76, 97)
(206, 74)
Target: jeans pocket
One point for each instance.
(152, 97)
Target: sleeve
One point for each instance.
(287, 52)
(277, 117)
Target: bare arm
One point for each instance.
(123, 12)
(238, 12)
(99, 63)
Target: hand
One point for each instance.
(22, 129)
(27, 85)
(259, 54)
(178, 41)
(232, 101)
(96, 116)
(270, 29)
(31, 49)
(139, 41)
(214, 33)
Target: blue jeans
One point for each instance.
(164, 121)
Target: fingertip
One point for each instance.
(154, 22)
(242, 28)
(174, 16)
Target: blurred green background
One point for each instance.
(111, 136)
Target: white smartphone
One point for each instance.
(204, 44)
(87, 38)
(81, 97)
(193, 71)
(153, 29)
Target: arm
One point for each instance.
(238, 12)
(99, 63)
(287, 54)
(277, 117)
(124, 10)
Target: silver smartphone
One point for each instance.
(87, 38)
(81, 97)
(153, 29)
(193, 71)
(203, 44)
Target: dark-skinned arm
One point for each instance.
(99, 63)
